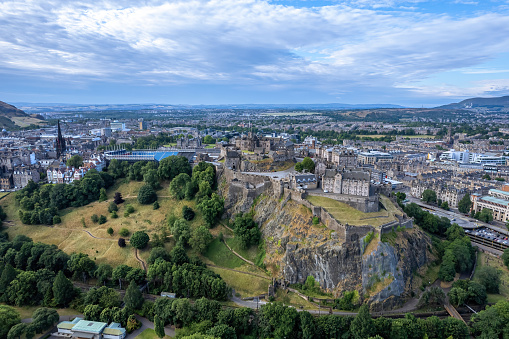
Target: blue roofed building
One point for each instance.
(86, 329)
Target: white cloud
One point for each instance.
(338, 48)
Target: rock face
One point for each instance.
(382, 272)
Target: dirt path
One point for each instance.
(231, 269)
(141, 261)
(238, 255)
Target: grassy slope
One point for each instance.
(497, 263)
(346, 214)
(70, 236)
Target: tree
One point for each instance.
(56, 219)
(92, 312)
(429, 196)
(102, 219)
(457, 296)
(178, 186)
(200, 239)
(445, 205)
(486, 215)
(486, 177)
(117, 199)
(112, 207)
(222, 331)
(172, 166)
(102, 195)
(133, 298)
(208, 140)
(155, 205)
(246, 230)
(103, 273)
(124, 232)
(146, 195)
(158, 326)
(308, 165)
(178, 255)
(362, 326)
(8, 318)
(187, 213)
(298, 167)
(151, 178)
(308, 325)
(43, 318)
(94, 218)
(465, 204)
(75, 161)
(212, 209)
(121, 242)
(489, 277)
(110, 231)
(63, 290)
(81, 264)
(181, 231)
(8, 275)
(17, 331)
(139, 240)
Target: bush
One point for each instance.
(316, 220)
(57, 219)
(102, 219)
(121, 242)
(114, 215)
(94, 218)
(188, 213)
(156, 205)
(117, 199)
(112, 207)
(126, 214)
(129, 208)
(110, 231)
(146, 195)
(124, 232)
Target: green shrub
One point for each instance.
(124, 232)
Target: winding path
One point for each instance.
(141, 261)
(248, 273)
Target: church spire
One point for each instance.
(60, 142)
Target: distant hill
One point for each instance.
(11, 117)
(498, 103)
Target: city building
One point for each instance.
(85, 329)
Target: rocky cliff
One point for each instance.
(381, 271)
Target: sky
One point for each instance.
(408, 52)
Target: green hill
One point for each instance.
(501, 103)
(12, 117)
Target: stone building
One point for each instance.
(448, 193)
(21, 177)
(497, 201)
(351, 182)
(185, 142)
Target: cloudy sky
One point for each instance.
(408, 52)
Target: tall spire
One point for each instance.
(60, 142)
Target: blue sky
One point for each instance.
(413, 53)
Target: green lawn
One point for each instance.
(244, 284)
(220, 255)
(248, 253)
(149, 334)
(346, 214)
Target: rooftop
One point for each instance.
(89, 326)
(495, 200)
